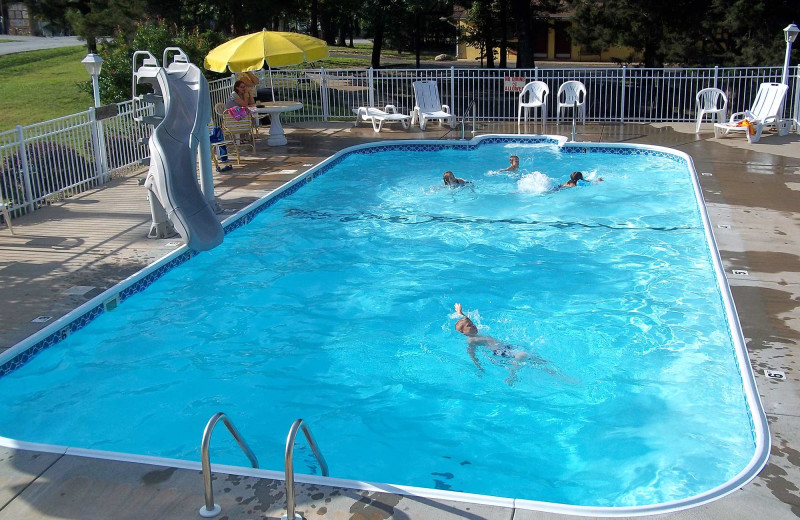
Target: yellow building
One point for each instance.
(553, 45)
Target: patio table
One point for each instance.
(274, 109)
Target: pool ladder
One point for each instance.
(210, 509)
(464, 116)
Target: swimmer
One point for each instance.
(514, 160)
(466, 327)
(573, 180)
(451, 180)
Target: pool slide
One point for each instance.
(181, 113)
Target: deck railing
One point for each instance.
(54, 159)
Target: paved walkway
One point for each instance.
(97, 239)
(10, 44)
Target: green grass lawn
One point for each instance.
(39, 85)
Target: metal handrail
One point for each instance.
(210, 509)
(465, 114)
(289, 466)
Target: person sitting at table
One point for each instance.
(250, 80)
(240, 97)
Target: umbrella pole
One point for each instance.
(271, 86)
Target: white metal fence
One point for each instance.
(56, 158)
(614, 94)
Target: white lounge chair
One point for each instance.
(708, 103)
(536, 92)
(428, 106)
(574, 92)
(765, 111)
(377, 116)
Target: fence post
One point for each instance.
(26, 172)
(716, 78)
(98, 150)
(536, 73)
(323, 85)
(452, 89)
(371, 83)
(622, 96)
(102, 150)
(796, 116)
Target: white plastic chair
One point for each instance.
(428, 105)
(708, 103)
(6, 216)
(574, 92)
(766, 110)
(536, 92)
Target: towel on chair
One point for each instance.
(239, 113)
(749, 124)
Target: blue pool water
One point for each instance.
(336, 305)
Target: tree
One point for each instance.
(54, 11)
(640, 24)
(751, 32)
(523, 15)
(488, 26)
(375, 14)
(90, 19)
(115, 78)
(686, 32)
(482, 29)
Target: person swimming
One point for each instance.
(573, 181)
(500, 349)
(451, 180)
(514, 164)
(466, 327)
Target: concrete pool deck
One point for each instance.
(62, 255)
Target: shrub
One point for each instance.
(52, 168)
(153, 36)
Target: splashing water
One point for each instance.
(535, 183)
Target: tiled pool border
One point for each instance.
(24, 351)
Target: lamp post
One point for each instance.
(790, 33)
(447, 20)
(94, 64)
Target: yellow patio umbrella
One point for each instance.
(265, 48)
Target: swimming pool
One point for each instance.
(349, 283)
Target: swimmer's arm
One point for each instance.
(472, 356)
(459, 309)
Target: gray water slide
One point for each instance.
(182, 111)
